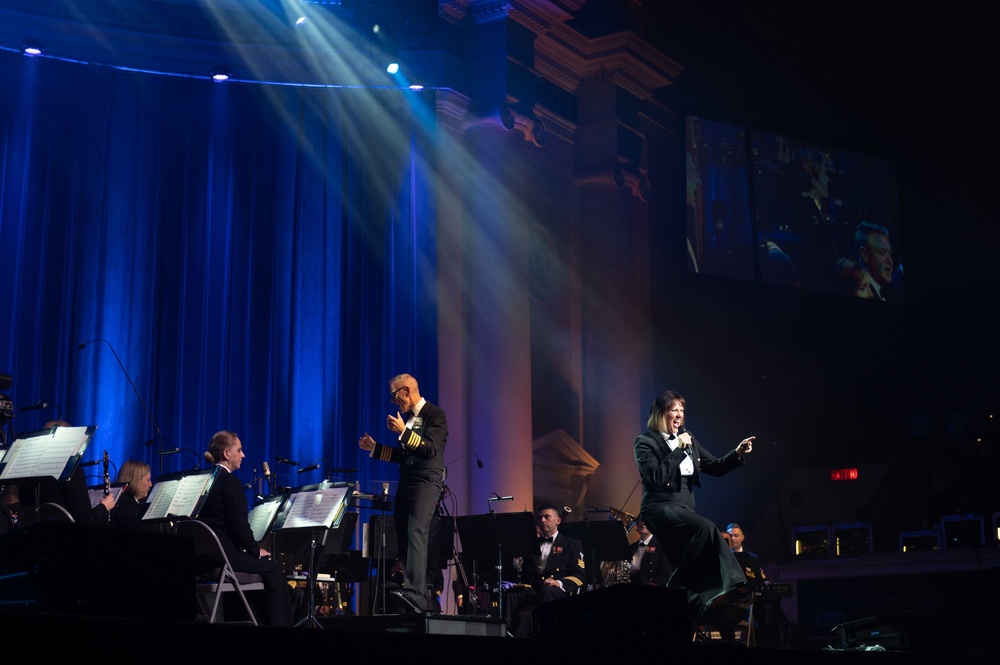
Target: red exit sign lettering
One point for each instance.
(844, 474)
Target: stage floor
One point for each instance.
(63, 636)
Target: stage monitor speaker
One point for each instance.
(642, 612)
(895, 631)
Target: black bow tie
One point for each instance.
(671, 437)
(546, 540)
(641, 544)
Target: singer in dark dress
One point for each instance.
(225, 512)
(421, 430)
(670, 463)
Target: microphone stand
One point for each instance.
(159, 436)
(381, 573)
(470, 588)
(490, 501)
(282, 460)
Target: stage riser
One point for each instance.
(417, 625)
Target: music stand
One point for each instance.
(45, 457)
(503, 535)
(601, 540)
(335, 558)
(179, 495)
(376, 541)
(315, 510)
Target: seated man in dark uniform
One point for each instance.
(648, 562)
(733, 613)
(557, 573)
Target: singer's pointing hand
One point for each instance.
(746, 445)
(395, 423)
(366, 442)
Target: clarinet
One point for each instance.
(107, 480)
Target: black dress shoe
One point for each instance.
(403, 603)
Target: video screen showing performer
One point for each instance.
(828, 219)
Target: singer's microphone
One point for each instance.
(311, 467)
(385, 491)
(156, 428)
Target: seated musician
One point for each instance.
(649, 563)
(559, 571)
(225, 512)
(748, 560)
(732, 614)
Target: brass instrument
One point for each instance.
(627, 518)
(619, 572)
(616, 572)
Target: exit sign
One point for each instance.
(850, 473)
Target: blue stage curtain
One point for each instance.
(260, 259)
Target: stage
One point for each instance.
(102, 589)
(50, 636)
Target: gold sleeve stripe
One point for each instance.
(384, 453)
(575, 580)
(413, 441)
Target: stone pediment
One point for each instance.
(558, 450)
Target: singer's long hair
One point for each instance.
(661, 405)
(132, 472)
(222, 440)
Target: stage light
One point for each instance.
(300, 20)
(221, 74)
(392, 68)
(32, 47)
(416, 87)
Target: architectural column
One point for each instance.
(606, 346)
(485, 312)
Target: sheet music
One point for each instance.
(261, 517)
(190, 489)
(177, 498)
(97, 493)
(159, 498)
(322, 508)
(46, 454)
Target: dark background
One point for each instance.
(906, 392)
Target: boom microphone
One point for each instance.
(267, 476)
(159, 436)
